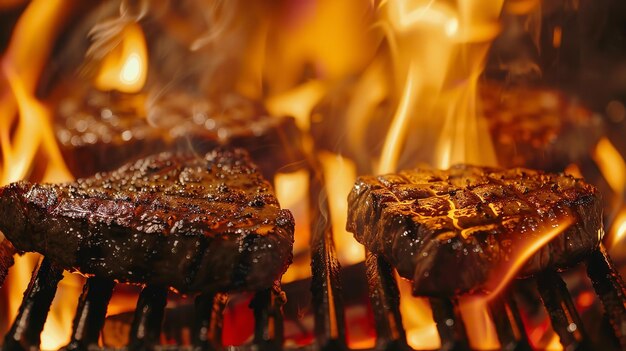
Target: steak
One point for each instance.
(195, 223)
(100, 131)
(449, 230)
(538, 128)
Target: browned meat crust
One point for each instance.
(195, 223)
(448, 230)
(538, 128)
(6, 258)
(100, 131)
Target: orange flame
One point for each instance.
(611, 164)
(125, 68)
(439, 52)
(291, 191)
(417, 318)
(524, 251)
(26, 134)
(613, 168)
(349, 251)
(475, 309)
(618, 230)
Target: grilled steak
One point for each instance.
(537, 127)
(448, 230)
(190, 222)
(100, 131)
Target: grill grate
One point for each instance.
(328, 305)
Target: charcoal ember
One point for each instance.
(100, 131)
(538, 128)
(195, 223)
(449, 230)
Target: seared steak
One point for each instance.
(100, 131)
(537, 127)
(448, 230)
(195, 223)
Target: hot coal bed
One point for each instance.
(331, 289)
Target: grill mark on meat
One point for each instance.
(195, 223)
(433, 224)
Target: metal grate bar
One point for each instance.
(26, 329)
(325, 283)
(450, 325)
(610, 288)
(209, 321)
(90, 314)
(145, 331)
(508, 323)
(385, 300)
(267, 306)
(565, 320)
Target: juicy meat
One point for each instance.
(447, 231)
(6, 258)
(537, 127)
(195, 223)
(100, 132)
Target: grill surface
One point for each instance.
(328, 307)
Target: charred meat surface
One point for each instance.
(100, 131)
(195, 223)
(447, 230)
(6, 258)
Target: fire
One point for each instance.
(480, 329)
(298, 102)
(417, 318)
(474, 308)
(618, 229)
(524, 251)
(291, 191)
(611, 164)
(613, 168)
(348, 249)
(125, 67)
(27, 138)
(439, 52)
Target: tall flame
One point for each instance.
(27, 139)
(125, 68)
(439, 52)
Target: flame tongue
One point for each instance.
(439, 52)
(125, 67)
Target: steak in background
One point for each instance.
(447, 231)
(100, 131)
(195, 223)
(538, 128)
